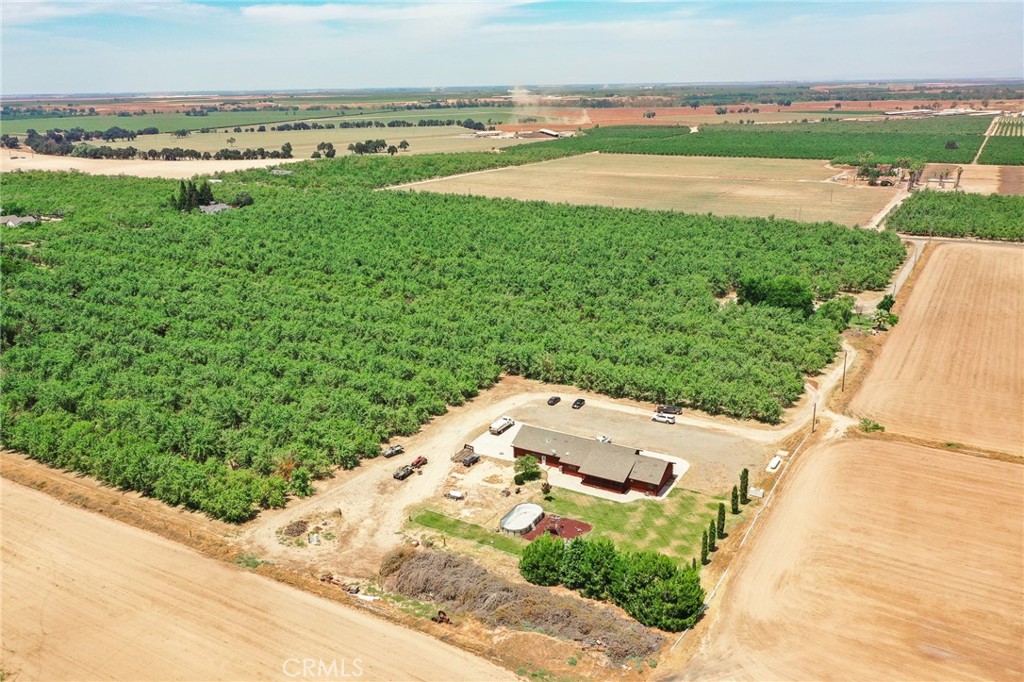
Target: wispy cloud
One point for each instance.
(355, 44)
(23, 12)
(391, 13)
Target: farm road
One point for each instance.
(373, 506)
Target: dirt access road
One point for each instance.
(88, 598)
(953, 368)
(881, 561)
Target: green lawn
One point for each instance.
(672, 527)
(469, 531)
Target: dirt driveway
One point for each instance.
(367, 508)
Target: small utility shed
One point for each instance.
(602, 465)
(214, 208)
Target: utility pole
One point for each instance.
(814, 417)
(845, 353)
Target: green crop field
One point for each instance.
(1009, 126)
(958, 214)
(197, 357)
(1003, 151)
(841, 141)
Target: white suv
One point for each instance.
(664, 418)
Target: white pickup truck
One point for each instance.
(502, 425)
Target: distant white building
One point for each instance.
(214, 208)
(14, 221)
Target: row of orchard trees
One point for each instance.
(301, 332)
(647, 585)
(958, 214)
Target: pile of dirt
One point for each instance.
(460, 585)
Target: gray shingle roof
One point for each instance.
(602, 460)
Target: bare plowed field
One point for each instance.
(953, 369)
(87, 598)
(1011, 180)
(881, 561)
(976, 179)
(785, 188)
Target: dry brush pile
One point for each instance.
(457, 584)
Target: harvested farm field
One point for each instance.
(976, 179)
(953, 369)
(785, 188)
(881, 561)
(88, 598)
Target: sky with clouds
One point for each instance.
(80, 46)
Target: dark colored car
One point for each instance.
(470, 459)
(403, 473)
(578, 403)
(393, 450)
(554, 400)
(418, 462)
(670, 409)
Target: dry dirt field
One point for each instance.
(978, 179)
(953, 369)
(880, 561)
(1011, 180)
(784, 188)
(12, 160)
(422, 140)
(88, 598)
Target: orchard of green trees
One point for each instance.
(889, 141)
(647, 585)
(958, 214)
(221, 361)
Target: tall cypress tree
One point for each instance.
(744, 479)
(711, 536)
(694, 566)
(205, 194)
(704, 549)
(181, 201)
(735, 500)
(192, 201)
(721, 520)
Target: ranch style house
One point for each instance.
(602, 465)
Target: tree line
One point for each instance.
(647, 585)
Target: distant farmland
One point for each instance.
(785, 188)
(168, 122)
(950, 140)
(422, 139)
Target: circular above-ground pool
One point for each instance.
(522, 519)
